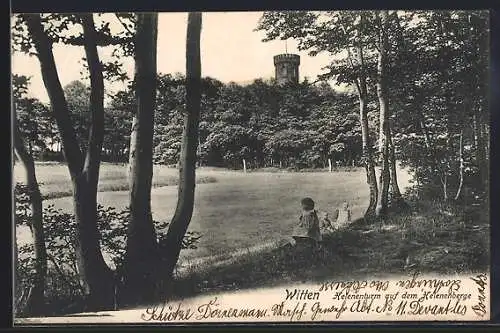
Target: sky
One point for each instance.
(230, 51)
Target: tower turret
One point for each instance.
(287, 68)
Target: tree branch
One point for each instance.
(124, 25)
(55, 91)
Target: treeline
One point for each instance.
(39, 128)
(263, 123)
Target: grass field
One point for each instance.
(233, 210)
(55, 181)
(242, 216)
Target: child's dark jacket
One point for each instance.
(308, 226)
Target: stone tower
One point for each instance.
(287, 68)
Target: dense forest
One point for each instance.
(268, 125)
(418, 97)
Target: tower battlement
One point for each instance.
(287, 57)
(287, 68)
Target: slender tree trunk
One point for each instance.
(362, 90)
(133, 146)
(461, 168)
(384, 132)
(481, 153)
(186, 189)
(449, 121)
(396, 197)
(434, 165)
(423, 128)
(448, 157)
(93, 270)
(486, 137)
(475, 130)
(363, 118)
(30, 148)
(141, 260)
(98, 275)
(368, 161)
(444, 182)
(35, 303)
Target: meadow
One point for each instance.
(243, 216)
(55, 181)
(233, 211)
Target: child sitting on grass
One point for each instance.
(307, 231)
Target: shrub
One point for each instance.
(63, 287)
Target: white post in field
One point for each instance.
(330, 164)
(244, 166)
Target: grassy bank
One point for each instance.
(432, 238)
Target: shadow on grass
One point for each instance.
(429, 238)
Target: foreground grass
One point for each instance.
(430, 238)
(433, 238)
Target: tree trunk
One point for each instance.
(481, 153)
(98, 275)
(141, 260)
(93, 270)
(95, 275)
(444, 182)
(368, 161)
(384, 118)
(396, 197)
(35, 303)
(448, 157)
(475, 130)
(330, 164)
(363, 118)
(186, 188)
(30, 148)
(362, 90)
(132, 147)
(461, 168)
(434, 165)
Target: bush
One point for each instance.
(63, 287)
